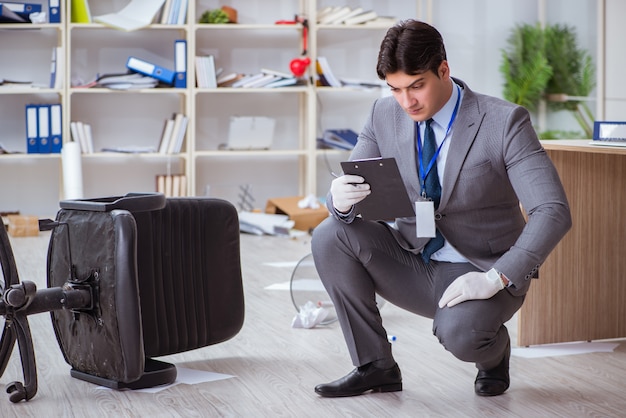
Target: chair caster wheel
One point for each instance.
(16, 392)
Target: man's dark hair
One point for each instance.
(412, 47)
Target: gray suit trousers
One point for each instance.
(357, 260)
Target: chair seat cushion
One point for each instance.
(189, 275)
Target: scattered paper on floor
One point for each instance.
(563, 349)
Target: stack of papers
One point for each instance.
(127, 81)
(136, 15)
(258, 223)
(344, 15)
(608, 143)
(16, 83)
(340, 138)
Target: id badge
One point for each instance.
(425, 219)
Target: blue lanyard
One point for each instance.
(424, 172)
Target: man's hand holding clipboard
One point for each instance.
(387, 198)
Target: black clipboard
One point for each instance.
(389, 199)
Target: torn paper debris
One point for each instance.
(309, 316)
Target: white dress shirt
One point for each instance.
(442, 120)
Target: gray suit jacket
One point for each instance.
(495, 162)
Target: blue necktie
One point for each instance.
(432, 187)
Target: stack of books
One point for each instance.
(172, 185)
(326, 78)
(344, 139)
(206, 75)
(325, 75)
(81, 134)
(173, 134)
(127, 81)
(173, 12)
(362, 84)
(344, 15)
(19, 84)
(265, 78)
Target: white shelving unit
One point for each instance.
(252, 44)
(27, 180)
(123, 119)
(32, 184)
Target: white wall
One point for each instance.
(615, 64)
(476, 32)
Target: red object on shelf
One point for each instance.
(298, 66)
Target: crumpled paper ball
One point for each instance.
(309, 201)
(309, 316)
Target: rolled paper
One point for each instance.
(72, 171)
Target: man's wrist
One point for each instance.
(505, 280)
(497, 278)
(342, 214)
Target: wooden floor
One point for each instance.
(276, 366)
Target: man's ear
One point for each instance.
(444, 70)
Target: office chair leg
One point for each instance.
(17, 301)
(16, 297)
(24, 391)
(7, 342)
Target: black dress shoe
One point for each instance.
(495, 381)
(363, 379)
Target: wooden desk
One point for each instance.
(581, 292)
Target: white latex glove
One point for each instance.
(347, 191)
(472, 285)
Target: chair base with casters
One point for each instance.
(129, 278)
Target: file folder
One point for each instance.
(53, 68)
(22, 9)
(54, 9)
(59, 64)
(32, 145)
(43, 126)
(56, 128)
(180, 63)
(182, 12)
(143, 67)
(174, 12)
(8, 16)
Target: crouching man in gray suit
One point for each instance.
(473, 276)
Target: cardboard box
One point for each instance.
(23, 226)
(305, 218)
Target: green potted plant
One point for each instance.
(225, 14)
(546, 63)
(572, 75)
(525, 67)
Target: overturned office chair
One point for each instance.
(129, 278)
